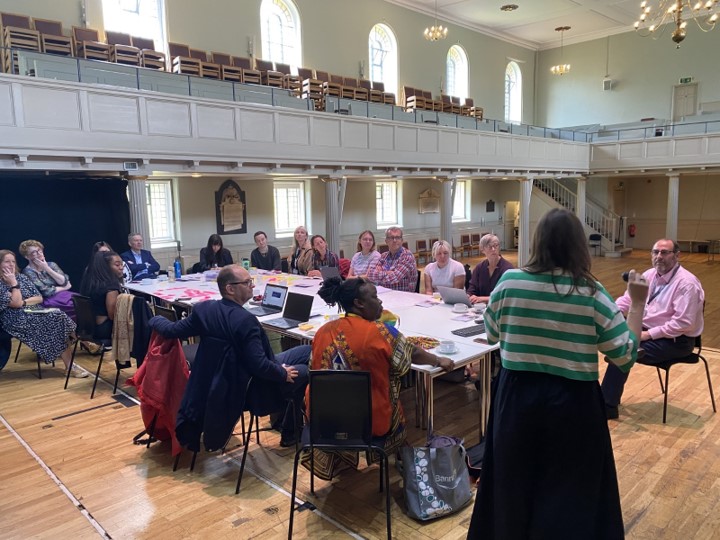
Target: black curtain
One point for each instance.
(67, 214)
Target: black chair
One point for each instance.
(85, 318)
(37, 357)
(692, 358)
(595, 242)
(189, 349)
(417, 283)
(335, 428)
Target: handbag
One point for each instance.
(436, 481)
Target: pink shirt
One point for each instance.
(675, 304)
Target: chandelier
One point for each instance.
(561, 69)
(655, 15)
(436, 31)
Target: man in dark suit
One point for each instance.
(234, 351)
(139, 260)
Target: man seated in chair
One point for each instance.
(264, 256)
(672, 320)
(139, 260)
(235, 368)
(396, 268)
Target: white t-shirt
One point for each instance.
(443, 277)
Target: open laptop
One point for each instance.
(328, 272)
(297, 310)
(451, 295)
(272, 301)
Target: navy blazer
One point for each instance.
(138, 270)
(233, 349)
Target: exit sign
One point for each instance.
(685, 80)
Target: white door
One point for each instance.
(684, 100)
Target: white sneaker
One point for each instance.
(78, 373)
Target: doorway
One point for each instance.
(684, 101)
(510, 236)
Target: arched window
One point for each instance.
(513, 93)
(280, 31)
(145, 17)
(382, 47)
(457, 72)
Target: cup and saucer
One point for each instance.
(460, 308)
(479, 307)
(447, 347)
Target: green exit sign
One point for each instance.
(685, 80)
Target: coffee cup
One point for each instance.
(460, 308)
(480, 307)
(446, 346)
(146, 281)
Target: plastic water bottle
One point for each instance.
(171, 273)
(177, 268)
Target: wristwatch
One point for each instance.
(15, 287)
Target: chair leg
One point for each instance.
(662, 388)
(312, 470)
(244, 457)
(97, 373)
(17, 353)
(72, 361)
(707, 372)
(38, 364)
(117, 377)
(177, 461)
(151, 429)
(192, 461)
(292, 493)
(667, 377)
(387, 494)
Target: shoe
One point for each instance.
(78, 373)
(90, 347)
(288, 442)
(611, 412)
(122, 365)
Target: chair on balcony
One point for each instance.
(471, 110)
(181, 62)
(17, 33)
(361, 93)
(312, 87)
(122, 50)
(388, 97)
(413, 99)
(347, 92)
(431, 104)
(89, 46)
(269, 75)
(208, 70)
(228, 72)
(52, 40)
(149, 57)
(374, 96)
(330, 88)
(448, 105)
(250, 75)
(290, 82)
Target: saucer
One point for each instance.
(460, 310)
(453, 351)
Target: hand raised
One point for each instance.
(637, 287)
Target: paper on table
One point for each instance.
(464, 317)
(427, 303)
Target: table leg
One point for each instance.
(429, 397)
(484, 376)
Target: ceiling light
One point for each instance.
(661, 14)
(436, 31)
(509, 7)
(561, 68)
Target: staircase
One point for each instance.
(609, 225)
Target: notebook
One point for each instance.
(328, 272)
(451, 295)
(297, 310)
(272, 301)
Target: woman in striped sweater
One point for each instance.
(548, 470)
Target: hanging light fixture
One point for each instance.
(436, 31)
(655, 15)
(561, 69)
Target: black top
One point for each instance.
(221, 258)
(268, 261)
(98, 300)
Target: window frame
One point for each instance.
(396, 220)
(457, 72)
(386, 70)
(114, 20)
(292, 223)
(462, 188)
(513, 93)
(289, 48)
(168, 208)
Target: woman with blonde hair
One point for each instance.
(444, 271)
(302, 256)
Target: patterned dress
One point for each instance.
(48, 334)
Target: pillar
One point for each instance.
(526, 185)
(334, 203)
(581, 199)
(139, 222)
(447, 198)
(673, 199)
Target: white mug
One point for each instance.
(460, 308)
(446, 346)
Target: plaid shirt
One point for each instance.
(397, 271)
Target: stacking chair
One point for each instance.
(421, 250)
(122, 50)
(448, 105)
(414, 99)
(330, 88)
(360, 93)
(85, 318)
(149, 57)
(290, 81)
(465, 244)
(382, 248)
(228, 72)
(374, 96)
(312, 88)
(52, 40)
(17, 33)
(472, 110)
(39, 360)
(347, 92)
(333, 428)
(475, 243)
(250, 75)
(208, 70)
(388, 97)
(89, 46)
(430, 103)
(595, 242)
(181, 61)
(269, 75)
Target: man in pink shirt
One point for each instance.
(672, 320)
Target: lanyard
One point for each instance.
(659, 288)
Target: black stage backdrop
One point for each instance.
(67, 214)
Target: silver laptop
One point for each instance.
(328, 272)
(451, 295)
(273, 301)
(297, 310)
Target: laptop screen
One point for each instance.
(274, 296)
(298, 307)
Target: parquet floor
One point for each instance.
(69, 469)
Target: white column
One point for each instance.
(526, 185)
(447, 197)
(672, 206)
(581, 199)
(332, 214)
(139, 223)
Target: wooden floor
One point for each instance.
(69, 469)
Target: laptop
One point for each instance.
(328, 272)
(451, 295)
(272, 301)
(297, 310)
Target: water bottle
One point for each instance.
(171, 273)
(177, 268)
(246, 264)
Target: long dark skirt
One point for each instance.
(548, 470)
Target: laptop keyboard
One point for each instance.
(470, 331)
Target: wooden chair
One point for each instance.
(228, 72)
(448, 105)
(361, 93)
(374, 96)
(330, 88)
(345, 91)
(430, 103)
(181, 61)
(312, 88)
(269, 76)
(89, 46)
(290, 82)
(414, 100)
(149, 57)
(52, 40)
(421, 250)
(388, 97)
(471, 110)
(17, 33)
(122, 50)
(475, 243)
(208, 70)
(250, 75)
(382, 248)
(465, 244)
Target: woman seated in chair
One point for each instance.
(302, 255)
(444, 271)
(102, 245)
(214, 255)
(47, 277)
(360, 342)
(103, 284)
(50, 334)
(488, 272)
(366, 256)
(322, 256)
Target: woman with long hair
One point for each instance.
(103, 283)
(366, 255)
(301, 259)
(214, 255)
(548, 469)
(322, 256)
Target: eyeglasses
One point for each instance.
(396, 238)
(663, 252)
(34, 252)
(247, 282)
(493, 246)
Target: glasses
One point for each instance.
(396, 238)
(34, 252)
(247, 283)
(663, 252)
(493, 246)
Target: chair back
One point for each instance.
(417, 283)
(445, 99)
(178, 49)
(338, 79)
(118, 38)
(323, 76)
(85, 34)
(169, 313)
(455, 100)
(283, 68)
(221, 58)
(469, 102)
(84, 317)
(146, 44)
(242, 62)
(48, 28)
(421, 245)
(198, 54)
(433, 241)
(331, 425)
(305, 73)
(351, 82)
(15, 21)
(427, 94)
(464, 239)
(366, 84)
(378, 86)
(264, 65)
(382, 248)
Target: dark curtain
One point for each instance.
(67, 214)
